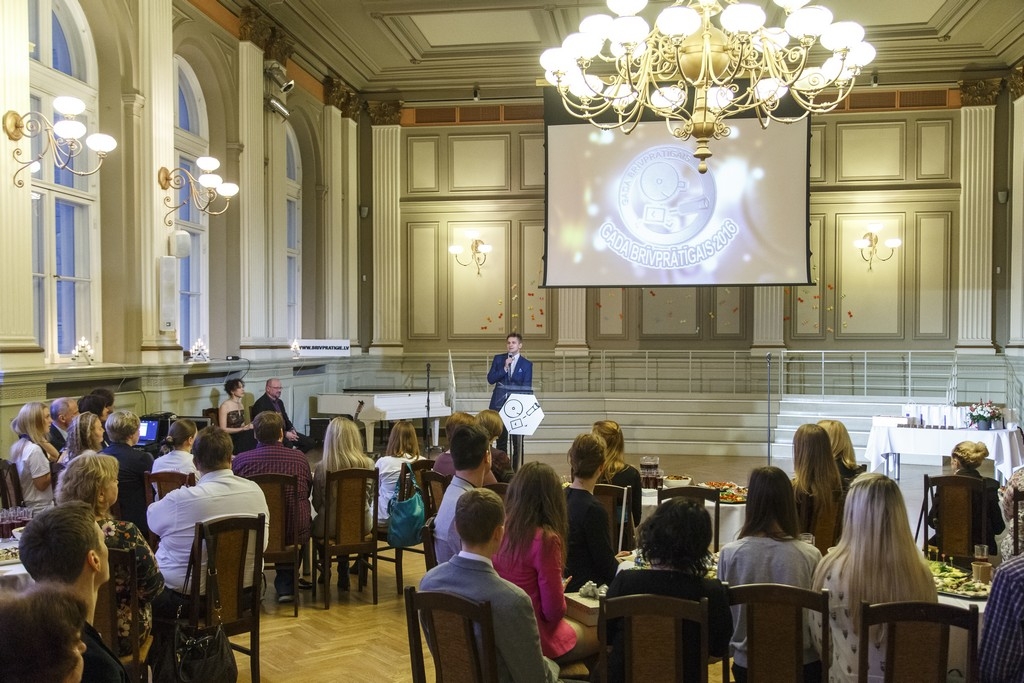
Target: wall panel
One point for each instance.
(479, 302)
(933, 237)
(423, 280)
(479, 162)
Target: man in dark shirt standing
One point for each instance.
(271, 457)
(271, 401)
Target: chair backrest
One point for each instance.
(405, 482)
(698, 493)
(615, 501)
(429, 554)
(10, 485)
(652, 636)
(434, 485)
(499, 487)
(159, 484)
(122, 569)
(232, 552)
(282, 537)
(1018, 496)
(775, 630)
(351, 511)
(460, 635)
(917, 639)
(953, 498)
(825, 527)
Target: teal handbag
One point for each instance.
(406, 518)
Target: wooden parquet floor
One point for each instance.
(358, 642)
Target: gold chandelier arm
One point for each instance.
(459, 261)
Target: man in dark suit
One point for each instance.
(63, 411)
(480, 520)
(271, 400)
(510, 373)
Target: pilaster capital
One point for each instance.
(132, 103)
(255, 27)
(279, 47)
(387, 113)
(340, 96)
(1016, 83)
(980, 93)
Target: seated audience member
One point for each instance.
(62, 412)
(343, 450)
(271, 400)
(876, 560)
(1016, 483)
(1001, 657)
(231, 417)
(965, 460)
(92, 479)
(501, 464)
(123, 430)
(272, 457)
(674, 541)
(816, 483)
(768, 551)
(472, 458)
(64, 545)
(616, 471)
(105, 402)
(41, 631)
(95, 404)
(32, 456)
(403, 447)
(219, 493)
(479, 517)
(842, 451)
(443, 463)
(176, 450)
(85, 437)
(590, 556)
(532, 556)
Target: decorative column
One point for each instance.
(977, 137)
(769, 304)
(18, 347)
(339, 258)
(572, 322)
(1016, 199)
(387, 227)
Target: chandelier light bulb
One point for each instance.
(791, 5)
(227, 190)
(583, 45)
(626, 7)
(68, 106)
(808, 21)
(101, 143)
(210, 180)
(556, 59)
(456, 249)
(893, 242)
(668, 98)
(678, 21)
(862, 243)
(484, 248)
(842, 35)
(596, 24)
(208, 164)
(742, 18)
(628, 30)
(69, 129)
(861, 54)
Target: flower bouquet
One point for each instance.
(983, 413)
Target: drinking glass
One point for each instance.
(807, 538)
(981, 553)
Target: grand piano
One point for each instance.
(372, 406)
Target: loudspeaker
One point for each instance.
(179, 244)
(168, 293)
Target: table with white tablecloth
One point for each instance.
(13, 576)
(731, 515)
(958, 636)
(930, 445)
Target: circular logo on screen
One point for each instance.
(663, 199)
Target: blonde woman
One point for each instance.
(816, 482)
(343, 450)
(876, 560)
(966, 457)
(616, 471)
(85, 437)
(92, 479)
(32, 454)
(403, 447)
(842, 451)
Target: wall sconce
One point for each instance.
(276, 72)
(203, 191)
(63, 137)
(478, 251)
(277, 106)
(868, 246)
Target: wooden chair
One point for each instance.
(407, 477)
(433, 488)
(698, 493)
(615, 501)
(10, 485)
(233, 548)
(123, 567)
(824, 527)
(775, 630)
(283, 547)
(158, 485)
(1018, 496)
(429, 555)
(500, 487)
(459, 633)
(917, 639)
(348, 529)
(949, 504)
(653, 636)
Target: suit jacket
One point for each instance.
(521, 379)
(131, 496)
(56, 438)
(515, 626)
(263, 404)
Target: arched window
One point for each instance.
(191, 141)
(293, 241)
(65, 207)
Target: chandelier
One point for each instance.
(703, 62)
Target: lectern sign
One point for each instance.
(521, 414)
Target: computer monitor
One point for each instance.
(148, 431)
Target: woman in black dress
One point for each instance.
(616, 471)
(589, 556)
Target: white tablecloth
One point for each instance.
(13, 576)
(731, 515)
(957, 636)
(1004, 446)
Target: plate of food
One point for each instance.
(951, 580)
(728, 491)
(676, 480)
(9, 555)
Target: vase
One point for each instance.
(984, 425)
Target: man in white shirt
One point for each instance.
(471, 455)
(219, 493)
